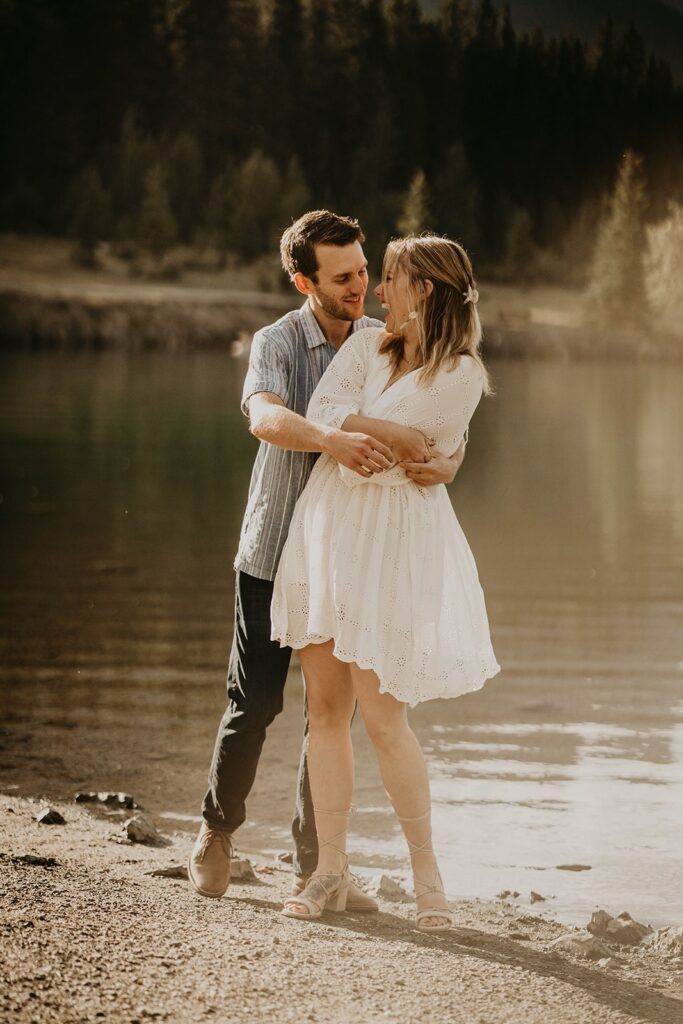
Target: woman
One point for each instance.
(377, 586)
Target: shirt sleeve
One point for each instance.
(340, 390)
(269, 368)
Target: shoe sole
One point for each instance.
(357, 910)
(301, 917)
(349, 906)
(204, 892)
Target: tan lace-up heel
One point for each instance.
(323, 891)
(426, 889)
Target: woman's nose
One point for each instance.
(378, 291)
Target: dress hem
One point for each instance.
(316, 638)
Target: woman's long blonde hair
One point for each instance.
(447, 320)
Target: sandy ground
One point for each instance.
(95, 937)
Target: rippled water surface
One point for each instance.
(123, 484)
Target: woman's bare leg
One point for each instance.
(329, 692)
(403, 769)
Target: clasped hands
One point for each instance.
(408, 448)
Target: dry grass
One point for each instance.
(46, 300)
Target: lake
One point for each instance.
(124, 478)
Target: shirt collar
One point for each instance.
(312, 331)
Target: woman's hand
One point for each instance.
(409, 445)
(439, 470)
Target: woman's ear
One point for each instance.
(428, 286)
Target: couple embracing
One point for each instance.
(350, 551)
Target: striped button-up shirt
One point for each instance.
(288, 358)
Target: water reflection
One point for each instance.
(123, 484)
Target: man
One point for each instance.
(322, 254)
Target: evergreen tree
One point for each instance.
(362, 92)
(415, 211)
(295, 197)
(92, 219)
(663, 263)
(185, 175)
(157, 229)
(217, 210)
(255, 223)
(455, 199)
(406, 74)
(617, 288)
(218, 56)
(520, 250)
(283, 97)
(322, 76)
(631, 59)
(134, 155)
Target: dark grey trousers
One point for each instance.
(256, 678)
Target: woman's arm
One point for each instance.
(410, 447)
(405, 442)
(441, 469)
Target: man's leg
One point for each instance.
(303, 824)
(256, 677)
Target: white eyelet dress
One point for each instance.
(381, 566)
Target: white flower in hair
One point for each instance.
(471, 295)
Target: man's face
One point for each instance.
(342, 280)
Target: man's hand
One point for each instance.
(363, 454)
(439, 470)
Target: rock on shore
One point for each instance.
(92, 931)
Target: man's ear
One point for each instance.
(302, 284)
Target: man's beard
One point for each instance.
(336, 308)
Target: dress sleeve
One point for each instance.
(340, 390)
(444, 408)
(269, 369)
(441, 410)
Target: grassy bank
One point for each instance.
(195, 301)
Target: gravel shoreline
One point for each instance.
(94, 936)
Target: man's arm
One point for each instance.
(405, 442)
(270, 420)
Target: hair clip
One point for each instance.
(471, 295)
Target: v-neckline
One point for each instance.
(388, 387)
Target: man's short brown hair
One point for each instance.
(317, 227)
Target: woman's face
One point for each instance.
(394, 295)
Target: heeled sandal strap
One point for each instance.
(426, 845)
(332, 840)
(315, 893)
(424, 888)
(316, 896)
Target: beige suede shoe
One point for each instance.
(209, 865)
(356, 899)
